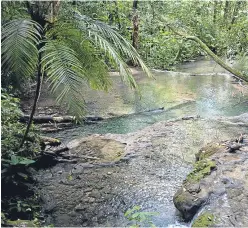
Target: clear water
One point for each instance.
(207, 96)
(180, 95)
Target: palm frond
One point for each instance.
(95, 68)
(65, 74)
(19, 47)
(113, 44)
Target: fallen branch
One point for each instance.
(47, 119)
(49, 141)
(58, 119)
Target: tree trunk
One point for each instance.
(135, 20)
(235, 13)
(57, 119)
(215, 12)
(226, 10)
(42, 12)
(37, 94)
(48, 119)
(235, 72)
(117, 15)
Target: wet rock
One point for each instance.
(204, 220)
(172, 145)
(233, 147)
(218, 185)
(80, 207)
(188, 203)
(89, 200)
(96, 149)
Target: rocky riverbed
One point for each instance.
(146, 169)
(215, 193)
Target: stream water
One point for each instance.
(163, 153)
(179, 94)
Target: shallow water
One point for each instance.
(206, 96)
(164, 155)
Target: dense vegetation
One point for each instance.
(71, 43)
(221, 25)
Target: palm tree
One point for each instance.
(66, 49)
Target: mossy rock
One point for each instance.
(201, 169)
(208, 151)
(187, 203)
(204, 220)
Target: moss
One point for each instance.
(22, 223)
(201, 169)
(207, 151)
(204, 220)
(179, 198)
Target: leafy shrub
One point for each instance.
(16, 179)
(12, 132)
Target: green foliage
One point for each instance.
(19, 47)
(15, 161)
(113, 45)
(74, 37)
(140, 218)
(222, 25)
(14, 174)
(12, 132)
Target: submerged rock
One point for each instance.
(218, 185)
(96, 149)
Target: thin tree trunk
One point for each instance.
(235, 13)
(135, 20)
(218, 60)
(42, 12)
(215, 12)
(117, 15)
(226, 10)
(235, 72)
(37, 94)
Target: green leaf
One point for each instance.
(26, 161)
(19, 46)
(113, 44)
(65, 74)
(14, 160)
(130, 211)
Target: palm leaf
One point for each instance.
(113, 44)
(19, 47)
(96, 71)
(65, 74)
